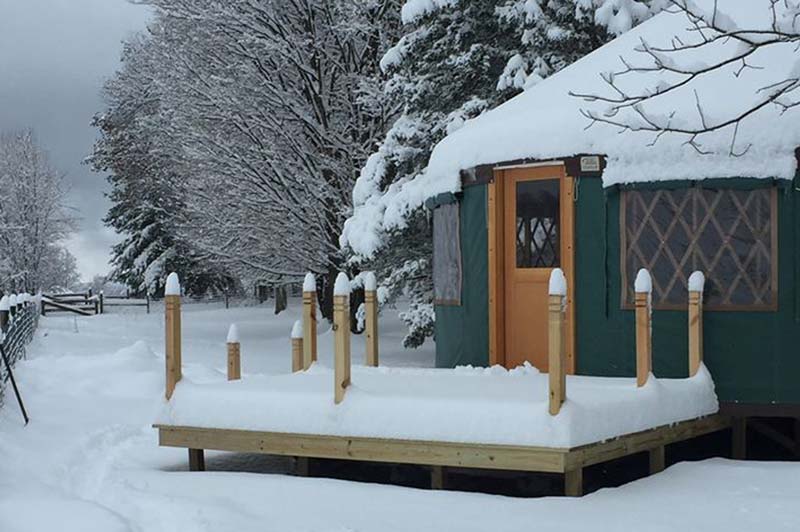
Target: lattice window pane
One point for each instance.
(538, 236)
(730, 235)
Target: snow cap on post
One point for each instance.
(558, 283)
(342, 286)
(697, 282)
(12, 300)
(173, 287)
(309, 283)
(297, 330)
(4, 303)
(370, 282)
(643, 283)
(233, 334)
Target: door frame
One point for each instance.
(496, 249)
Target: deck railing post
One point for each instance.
(696, 286)
(297, 346)
(309, 320)
(556, 341)
(643, 288)
(234, 354)
(371, 318)
(341, 331)
(172, 317)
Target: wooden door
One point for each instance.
(538, 217)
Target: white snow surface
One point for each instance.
(297, 329)
(89, 461)
(5, 303)
(463, 405)
(173, 286)
(697, 281)
(643, 282)
(233, 334)
(558, 283)
(309, 283)
(370, 282)
(342, 285)
(12, 300)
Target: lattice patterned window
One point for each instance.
(730, 235)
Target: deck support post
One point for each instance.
(301, 466)
(371, 319)
(297, 346)
(657, 459)
(556, 341)
(573, 482)
(197, 461)
(739, 435)
(309, 321)
(172, 327)
(438, 474)
(341, 331)
(644, 332)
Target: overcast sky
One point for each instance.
(54, 57)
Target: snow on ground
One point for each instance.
(89, 460)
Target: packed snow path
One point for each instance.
(89, 460)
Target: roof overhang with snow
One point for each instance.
(554, 119)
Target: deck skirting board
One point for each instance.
(469, 455)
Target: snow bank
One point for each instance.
(489, 405)
(173, 286)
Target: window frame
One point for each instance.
(626, 278)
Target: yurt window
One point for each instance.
(446, 255)
(728, 234)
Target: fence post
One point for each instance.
(297, 346)
(4, 312)
(102, 308)
(309, 320)
(371, 318)
(643, 288)
(696, 285)
(234, 354)
(557, 355)
(341, 331)
(172, 314)
(147, 299)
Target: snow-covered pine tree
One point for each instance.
(457, 59)
(147, 190)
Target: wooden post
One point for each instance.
(657, 459)
(371, 318)
(556, 341)
(644, 344)
(234, 354)
(438, 474)
(197, 461)
(341, 331)
(297, 346)
(12, 307)
(172, 315)
(102, 302)
(739, 436)
(309, 320)
(147, 300)
(696, 285)
(573, 482)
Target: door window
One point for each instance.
(537, 224)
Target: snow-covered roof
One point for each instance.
(547, 121)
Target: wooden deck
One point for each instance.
(567, 461)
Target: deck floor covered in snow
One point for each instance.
(483, 418)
